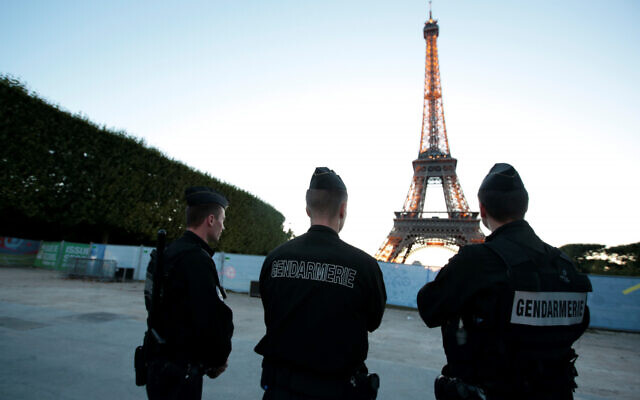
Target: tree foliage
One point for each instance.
(600, 259)
(64, 178)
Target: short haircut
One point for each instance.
(197, 214)
(321, 202)
(503, 206)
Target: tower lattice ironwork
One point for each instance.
(414, 228)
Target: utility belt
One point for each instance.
(359, 386)
(550, 375)
(155, 350)
(535, 379)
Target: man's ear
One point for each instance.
(483, 211)
(308, 212)
(343, 210)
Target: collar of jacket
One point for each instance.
(322, 228)
(509, 228)
(192, 237)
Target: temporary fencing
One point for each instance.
(614, 303)
(101, 261)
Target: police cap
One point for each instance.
(197, 195)
(503, 178)
(326, 179)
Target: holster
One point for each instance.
(143, 354)
(449, 388)
(364, 386)
(140, 365)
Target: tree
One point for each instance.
(64, 178)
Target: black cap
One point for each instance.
(197, 195)
(325, 179)
(502, 177)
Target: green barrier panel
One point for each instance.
(60, 255)
(26, 260)
(70, 251)
(48, 255)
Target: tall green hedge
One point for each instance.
(64, 178)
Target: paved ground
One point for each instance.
(73, 339)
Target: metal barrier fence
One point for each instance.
(92, 268)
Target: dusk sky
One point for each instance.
(259, 93)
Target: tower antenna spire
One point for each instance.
(430, 10)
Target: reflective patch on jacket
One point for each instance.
(548, 308)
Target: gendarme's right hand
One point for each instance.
(215, 372)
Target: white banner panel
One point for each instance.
(548, 308)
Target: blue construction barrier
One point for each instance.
(403, 282)
(614, 303)
(236, 271)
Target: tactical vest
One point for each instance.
(518, 334)
(164, 326)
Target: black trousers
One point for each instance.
(566, 394)
(169, 381)
(277, 393)
(281, 383)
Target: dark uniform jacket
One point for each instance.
(195, 323)
(321, 296)
(510, 309)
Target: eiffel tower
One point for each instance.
(413, 228)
